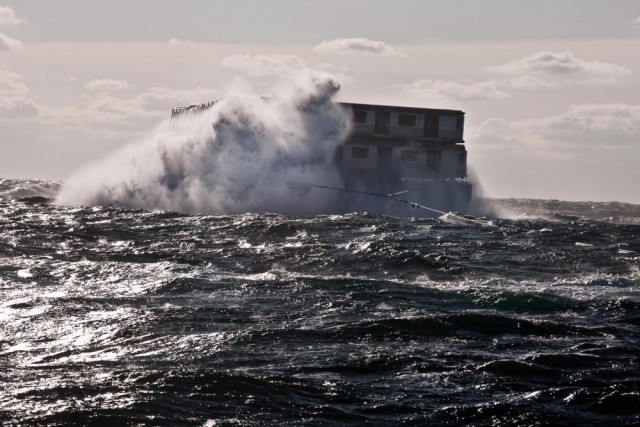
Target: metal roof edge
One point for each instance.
(400, 108)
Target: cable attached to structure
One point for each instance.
(446, 216)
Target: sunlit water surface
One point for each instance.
(123, 317)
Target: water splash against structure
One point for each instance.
(242, 154)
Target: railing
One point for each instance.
(185, 116)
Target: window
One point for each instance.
(383, 119)
(434, 160)
(409, 155)
(462, 158)
(360, 117)
(459, 123)
(359, 152)
(406, 120)
(431, 125)
(385, 156)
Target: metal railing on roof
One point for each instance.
(186, 116)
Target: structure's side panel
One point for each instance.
(357, 156)
(451, 128)
(393, 149)
(363, 121)
(406, 125)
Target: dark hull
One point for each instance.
(437, 195)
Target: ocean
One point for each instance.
(528, 316)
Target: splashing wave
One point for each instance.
(245, 154)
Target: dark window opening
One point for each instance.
(385, 156)
(360, 117)
(409, 155)
(406, 120)
(431, 125)
(383, 119)
(462, 158)
(459, 123)
(434, 160)
(359, 152)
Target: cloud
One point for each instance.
(264, 65)
(17, 107)
(609, 117)
(117, 116)
(174, 42)
(469, 90)
(603, 125)
(356, 45)
(107, 85)
(560, 64)
(7, 43)
(636, 20)
(8, 17)
(455, 90)
(164, 99)
(541, 70)
(587, 152)
(12, 84)
(527, 82)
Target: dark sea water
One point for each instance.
(124, 317)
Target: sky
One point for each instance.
(550, 89)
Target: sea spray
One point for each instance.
(244, 154)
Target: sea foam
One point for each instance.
(245, 154)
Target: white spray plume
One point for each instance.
(245, 154)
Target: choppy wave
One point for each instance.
(124, 316)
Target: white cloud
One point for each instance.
(12, 84)
(264, 65)
(356, 45)
(527, 82)
(115, 116)
(541, 70)
(107, 85)
(636, 21)
(605, 125)
(560, 64)
(454, 90)
(174, 42)
(8, 16)
(588, 152)
(7, 43)
(17, 107)
(609, 117)
(163, 99)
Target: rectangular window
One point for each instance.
(359, 152)
(431, 125)
(385, 157)
(383, 119)
(409, 155)
(434, 160)
(406, 120)
(360, 116)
